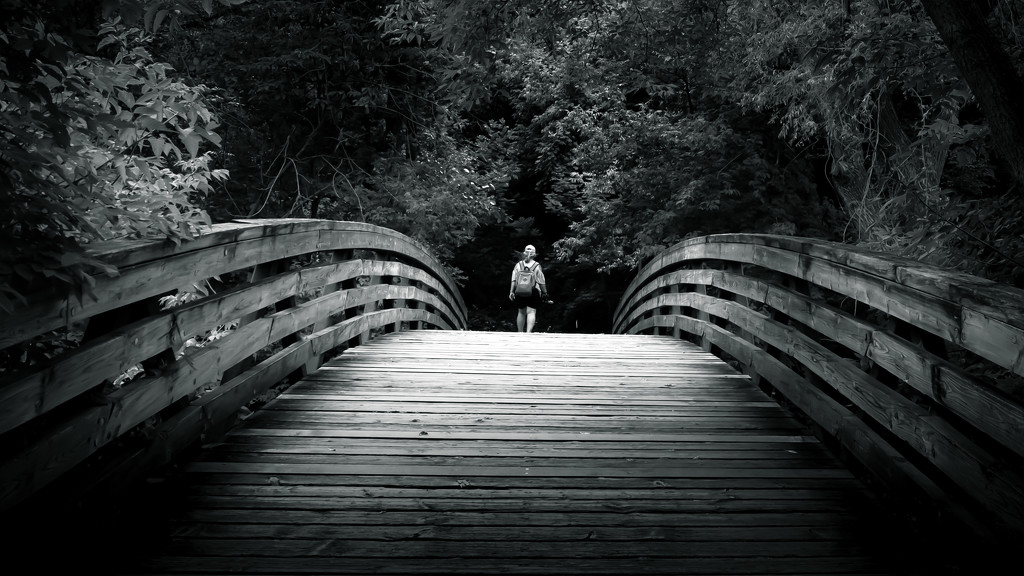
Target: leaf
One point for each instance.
(159, 19)
(150, 16)
(158, 145)
(149, 123)
(191, 141)
(106, 41)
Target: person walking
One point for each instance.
(528, 290)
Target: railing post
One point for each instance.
(365, 336)
(887, 356)
(655, 312)
(705, 342)
(361, 281)
(395, 302)
(68, 415)
(259, 272)
(413, 305)
(663, 310)
(736, 268)
(427, 306)
(675, 311)
(315, 362)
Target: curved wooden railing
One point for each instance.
(912, 370)
(287, 295)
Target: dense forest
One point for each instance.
(601, 131)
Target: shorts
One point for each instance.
(531, 301)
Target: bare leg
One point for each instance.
(521, 320)
(531, 318)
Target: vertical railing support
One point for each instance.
(675, 311)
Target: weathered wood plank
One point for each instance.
(384, 494)
(89, 366)
(526, 504)
(986, 408)
(569, 564)
(416, 464)
(474, 548)
(750, 451)
(90, 419)
(609, 465)
(431, 483)
(564, 518)
(302, 531)
(790, 299)
(221, 250)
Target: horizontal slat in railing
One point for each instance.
(54, 417)
(751, 298)
(220, 252)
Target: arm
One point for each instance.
(542, 282)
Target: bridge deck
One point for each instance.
(432, 452)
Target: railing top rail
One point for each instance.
(147, 267)
(184, 335)
(980, 315)
(912, 369)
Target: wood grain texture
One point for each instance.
(979, 315)
(57, 415)
(444, 452)
(148, 269)
(905, 347)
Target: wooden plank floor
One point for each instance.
(435, 452)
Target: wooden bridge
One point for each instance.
(763, 402)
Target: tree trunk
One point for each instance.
(987, 69)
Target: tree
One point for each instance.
(615, 114)
(329, 116)
(874, 91)
(623, 137)
(988, 70)
(97, 144)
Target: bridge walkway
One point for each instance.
(447, 452)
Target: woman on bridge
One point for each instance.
(528, 290)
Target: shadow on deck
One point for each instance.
(446, 452)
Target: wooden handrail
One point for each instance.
(303, 289)
(887, 356)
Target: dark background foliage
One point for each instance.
(600, 131)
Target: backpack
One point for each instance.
(526, 279)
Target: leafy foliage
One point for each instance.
(94, 148)
(601, 130)
(636, 124)
(328, 117)
(443, 196)
(617, 115)
(908, 152)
